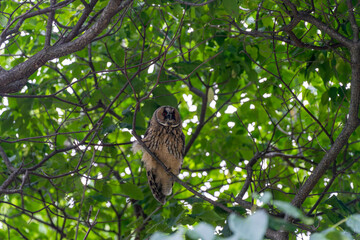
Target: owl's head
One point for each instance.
(167, 116)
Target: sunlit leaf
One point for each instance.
(132, 190)
(354, 223)
(252, 227)
(203, 231)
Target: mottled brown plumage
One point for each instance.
(164, 137)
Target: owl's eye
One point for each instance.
(164, 113)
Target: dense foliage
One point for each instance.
(269, 95)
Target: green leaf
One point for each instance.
(331, 234)
(119, 56)
(186, 67)
(250, 228)
(280, 224)
(106, 191)
(354, 223)
(266, 198)
(71, 234)
(288, 209)
(202, 231)
(132, 190)
(325, 98)
(162, 96)
(100, 198)
(333, 93)
(333, 216)
(176, 236)
(3, 20)
(25, 105)
(231, 7)
(209, 215)
(253, 51)
(210, 95)
(335, 202)
(292, 211)
(149, 108)
(108, 126)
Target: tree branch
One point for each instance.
(6, 160)
(350, 126)
(13, 80)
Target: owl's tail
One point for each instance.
(160, 187)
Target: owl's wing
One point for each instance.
(155, 186)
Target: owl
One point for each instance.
(163, 137)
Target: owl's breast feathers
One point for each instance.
(167, 137)
(166, 143)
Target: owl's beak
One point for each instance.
(170, 116)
